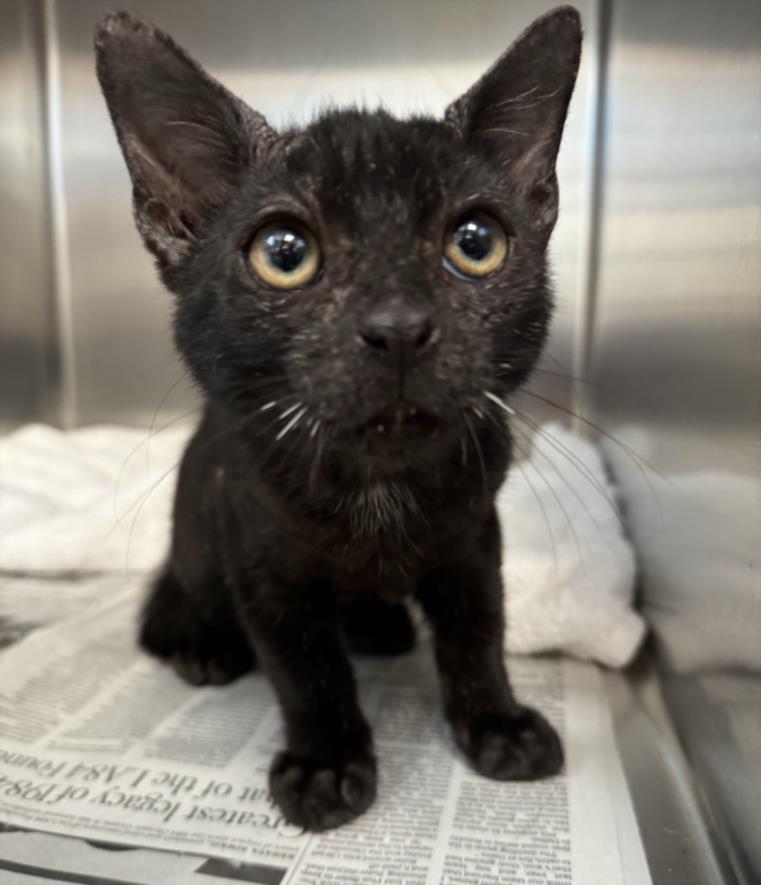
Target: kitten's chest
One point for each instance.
(376, 538)
(371, 539)
(382, 540)
(383, 565)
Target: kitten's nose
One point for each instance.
(399, 332)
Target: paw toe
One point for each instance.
(209, 670)
(319, 796)
(517, 746)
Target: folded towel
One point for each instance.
(98, 500)
(568, 568)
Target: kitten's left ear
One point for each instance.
(517, 110)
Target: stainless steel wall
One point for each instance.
(678, 322)
(677, 372)
(28, 322)
(287, 59)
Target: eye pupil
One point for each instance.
(476, 247)
(285, 249)
(473, 239)
(284, 255)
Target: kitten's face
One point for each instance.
(383, 200)
(366, 281)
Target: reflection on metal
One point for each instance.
(597, 42)
(680, 847)
(28, 344)
(717, 715)
(58, 224)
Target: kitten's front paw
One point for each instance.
(211, 667)
(516, 746)
(319, 796)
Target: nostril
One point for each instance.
(374, 338)
(423, 335)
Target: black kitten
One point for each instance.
(356, 299)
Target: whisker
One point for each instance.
(497, 401)
(146, 442)
(142, 501)
(634, 456)
(143, 496)
(578, 465)
(510, 411)
(302, 453)
(317, 457)
(539, 501)
(500, 423)
(292, 423)
(290, 409)
(155, 418)
(479, 451)
(143, 442)
(576, 495)
(575, 378)
(561, 506)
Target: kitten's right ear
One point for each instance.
(187, 140)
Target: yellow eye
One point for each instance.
(477, 246)
(285, 255)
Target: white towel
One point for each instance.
(98, 500)
(568, 569)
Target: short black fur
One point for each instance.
(344, 466)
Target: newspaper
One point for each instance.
(32, 600)
(101, 742)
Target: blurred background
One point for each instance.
(656, 349)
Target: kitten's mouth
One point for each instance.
(402, 420)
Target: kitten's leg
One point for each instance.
(502, 739)
(375, 627)
(327, 774)
(196, 633)
(189, 619)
